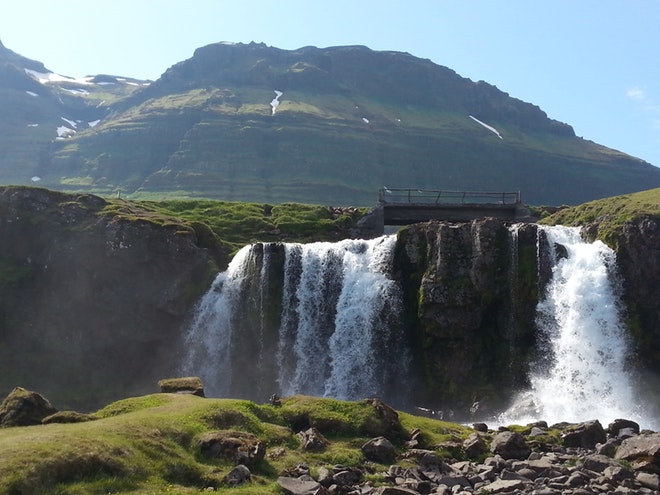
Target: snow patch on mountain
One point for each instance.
(64, 132)
(51, 77)
(490, 128)
(72, 123)
(276, 101)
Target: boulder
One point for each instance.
(295, 486)
(585, 435)
(642, 451)
(474, 446)
(24, 408)
(185, 385)
(238, 476)
(510, 445)
(379, 449)
(648, 480)
(615, 427)
(598, 463)
(394, 490)
(608, 448)
(386, 420)
(312, 439)
(234, 446)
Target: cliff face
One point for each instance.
(470, 291)
(638, 258)
(91, 305)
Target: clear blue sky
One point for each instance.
(593, 64)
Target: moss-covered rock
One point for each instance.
(24, 408)
(470, 296)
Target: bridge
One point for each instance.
(407, 206)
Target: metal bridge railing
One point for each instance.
(388, 195)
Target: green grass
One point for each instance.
(610, 214)
(147, 444)
(236, 224)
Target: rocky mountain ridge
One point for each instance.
(348, 121)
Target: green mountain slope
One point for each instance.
(41, 108)
(349, 120)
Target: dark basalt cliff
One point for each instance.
(638, 259)
(471, 291)
(91, 304)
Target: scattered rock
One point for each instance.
(642, 451)
(24, 408)
(482, 427)
(474, 446)
(238, 476)
(548, 470)
(648, 480)
(379, 449)
(585, 435)
(295, 486)
(510, 445)
(615, 427)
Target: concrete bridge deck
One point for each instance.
(407, 206)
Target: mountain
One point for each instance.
(327, 126)
(41, 108)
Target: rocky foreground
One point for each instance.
(589, 460)
(567, 459)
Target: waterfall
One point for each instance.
(329, 328)
(583, 373)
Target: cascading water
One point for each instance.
(584, 374)
(334, 331)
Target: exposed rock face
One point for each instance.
(470, 292)
(91, 305)
(638, 258)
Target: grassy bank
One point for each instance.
(609, 214)
(148, 445)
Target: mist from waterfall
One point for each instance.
(335, 333)
(583, 372)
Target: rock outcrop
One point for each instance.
(24, 408)
(92, 303)
(638, 259)
(470, 293)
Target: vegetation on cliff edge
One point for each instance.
(610, 214)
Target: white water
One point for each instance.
(337, 336)
(585, 373)
(209, 338)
